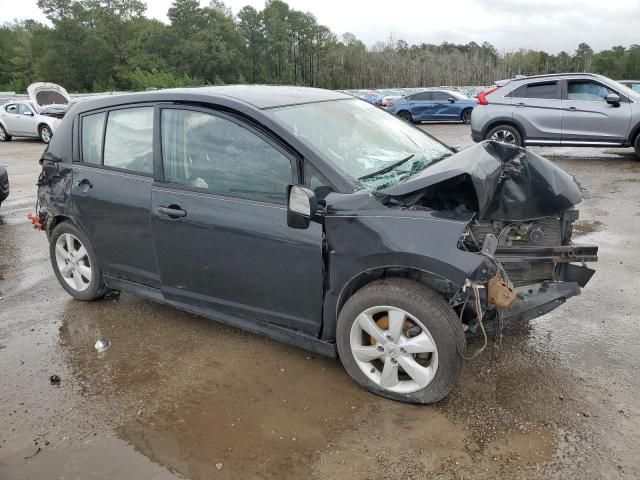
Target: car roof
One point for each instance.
(257, 96)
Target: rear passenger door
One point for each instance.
(219, 222)
(111, 190)
(588, 118)
(537, 106)
(421, 105)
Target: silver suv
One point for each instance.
(572, 109)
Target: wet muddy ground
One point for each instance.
(178, 396)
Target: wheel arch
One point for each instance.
(441, 285)
(466, 109)
(635, 131)
(505, 121)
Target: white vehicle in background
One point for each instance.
(37, 117)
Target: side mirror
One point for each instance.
(451, 100)
(613, 99)
(302, 205)
(28, 114)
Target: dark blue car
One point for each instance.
(440, 105)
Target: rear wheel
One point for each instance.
(636, 145)
(466, 116)
(401, 340)
(45, 133)
(505, 134)
(4, 136)
(75, 264)
(406, 116)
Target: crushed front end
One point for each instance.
(523, 215)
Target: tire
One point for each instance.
(428, 322)
(505, 132)
(76, 281)
(466, 116)
(636, 146)
(406, 116)
(4, 136)
(45, 133)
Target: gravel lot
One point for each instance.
(178, 396)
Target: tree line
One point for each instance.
(102, 45)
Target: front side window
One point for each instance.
(23, 109)
(543, 90)
(128, 142)
(587, 90)
(366, 144)
(207, 151)
(92, 128)
(441, 96)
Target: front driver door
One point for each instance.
(219, 223)
(588, 118)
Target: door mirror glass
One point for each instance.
(613, 99)
(302, 205)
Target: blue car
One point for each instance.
(440, 105)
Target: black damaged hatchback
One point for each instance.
(313, 218)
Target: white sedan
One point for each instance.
(35, 117)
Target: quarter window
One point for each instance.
(128, 140)
(548, 90)
(587, 90)
(92, 127)
(210, 152)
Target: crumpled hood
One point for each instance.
(45, 94)
(507, 183)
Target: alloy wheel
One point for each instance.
(45, 134)
(73, 262)
(394, 349)
(504, 136)
(3, 134)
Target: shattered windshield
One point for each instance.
(373, 148)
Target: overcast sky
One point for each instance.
(551, 25)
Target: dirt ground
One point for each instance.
(178, 396)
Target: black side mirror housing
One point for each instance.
(302, 206)
(452, 100)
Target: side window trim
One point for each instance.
(106, 111)
(527, 85)
(295, 159)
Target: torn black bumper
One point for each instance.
(550, 295)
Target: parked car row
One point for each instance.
(421, 104)
(575, 109)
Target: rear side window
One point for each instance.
(128, 142)
(92, 127)
(548, 90)
(211, 152)
(422, 96)
(11, 108)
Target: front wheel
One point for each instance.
(75, 264)
(45, 134)
(400, 340)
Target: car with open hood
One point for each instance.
(37, 117)
(314, 218)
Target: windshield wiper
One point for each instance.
(387, 169)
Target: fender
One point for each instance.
(420, 241)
